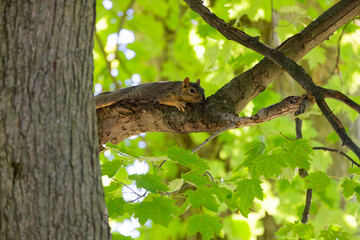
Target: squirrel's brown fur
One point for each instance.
(167, 93)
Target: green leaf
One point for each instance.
(187, 159)
(203, 196)
(113, 190)
(117, 207)
(175, 184)
(315, 57)
(157, 208)
(195, 178)
(201, 166)
(244, 195)
(206, 225)
(303, 231)
(184, 207)
(317, 181)
(334, 231)
(110, 168)
(268, 166)
(222, 194)
(255, 149)
(150, 182)
(183, 157)
(118, 236)
(349, 187)
(299, 153)
(354, 170)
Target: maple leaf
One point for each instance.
(350, 187)
(299, 152)
(183, 157)
(269, 166)
(117, 207)
(203, 196)
(188, 159)
(334, 231)
(246, 191)
(317, 181)
(206, 225)
(195, 178)
(157, 208)
(303, 231)
(110, 168)
(150, 182)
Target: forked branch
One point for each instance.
(287, 64)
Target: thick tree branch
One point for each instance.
(130, 117)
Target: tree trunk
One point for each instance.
(50, 185)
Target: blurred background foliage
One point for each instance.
(138, 41)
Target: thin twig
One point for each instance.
(126, 186)
(305, 215)
(329, 93)
(217, 133)
(140, 196)
(338, 52)
(337, 151)
(302, 172)
(208, 173)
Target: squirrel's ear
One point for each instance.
(198, 81)
(186, 82)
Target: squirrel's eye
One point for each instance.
(192, 90)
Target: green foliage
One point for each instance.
(206, 225)
(297, 230)
(334, 232)
(157, 208)
(118, 236)
(270, 164)
(150, 182)
(187, 159)
(203, 196)
(246, 181)
(243, 197)
(317, 181)
(110, 168)
(350, 187)
(116, 207)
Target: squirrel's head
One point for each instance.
(192, 92)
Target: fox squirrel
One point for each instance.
(168, 93)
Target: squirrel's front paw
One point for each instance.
(180, 105)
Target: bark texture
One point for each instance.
(50, 184)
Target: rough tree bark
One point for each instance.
(127, 118)
(50, 184)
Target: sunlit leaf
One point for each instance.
(317, 181)
(150, 182)
(334, 231)
(207, 226)
(203, 196)
(246, 191)
(157, 208)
